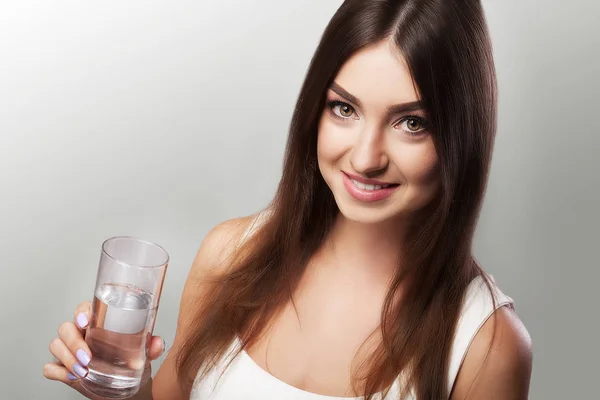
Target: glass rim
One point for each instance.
(137, 239)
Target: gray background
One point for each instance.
(160, 119)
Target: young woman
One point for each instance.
(358, 280)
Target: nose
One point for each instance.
(368, 156)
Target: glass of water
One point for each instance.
(128, 287)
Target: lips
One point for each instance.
(367, 190)
(367, 181)
(364, 186)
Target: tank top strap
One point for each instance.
(479, 304)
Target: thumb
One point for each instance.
(157, 347)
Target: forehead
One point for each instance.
(378, 75)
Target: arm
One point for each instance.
(211, 258)
(506, 371)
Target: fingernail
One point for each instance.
(164, 346)
(82, 320)
(83, 357)
(72, 377)
(79, 370)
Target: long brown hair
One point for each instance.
(446, 46)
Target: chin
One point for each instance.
(392, 210)
(368, 214)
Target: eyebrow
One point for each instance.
(395, 109)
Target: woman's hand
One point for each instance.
(73, 354)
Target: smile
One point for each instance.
(364, 186)
(368, 190)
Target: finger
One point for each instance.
(72, 338)
(64, 356)
(83, 314)
(156, 348)
(57, 372)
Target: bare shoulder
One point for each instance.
(498, 363)
(218, 245)
(211, 257)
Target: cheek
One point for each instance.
(332, 142)
(419, 164)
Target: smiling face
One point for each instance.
(375, 151)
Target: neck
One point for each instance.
(372, 250)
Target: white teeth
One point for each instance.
(368, 187)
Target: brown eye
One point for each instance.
(346, 111)
(341, 110)
(413, 124)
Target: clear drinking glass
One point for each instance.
(128, 287)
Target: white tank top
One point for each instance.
(246, 380)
